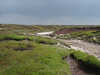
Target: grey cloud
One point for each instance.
(50, 11)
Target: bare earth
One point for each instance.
(76, 68)
(90, 48)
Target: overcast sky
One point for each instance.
(50, 11)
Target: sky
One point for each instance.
(65, 12)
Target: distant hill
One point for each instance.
(19, 29)
(77, 29)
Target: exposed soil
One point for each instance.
(77, 68)
(90, 48)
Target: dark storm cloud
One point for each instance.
(50, 11)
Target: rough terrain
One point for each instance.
(77, 69)
(90, 48)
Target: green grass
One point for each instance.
(29, 55)
(88, 61)
(40, 60)
(36, 39)
(42, 40)
(15, 45)
(12, 37)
